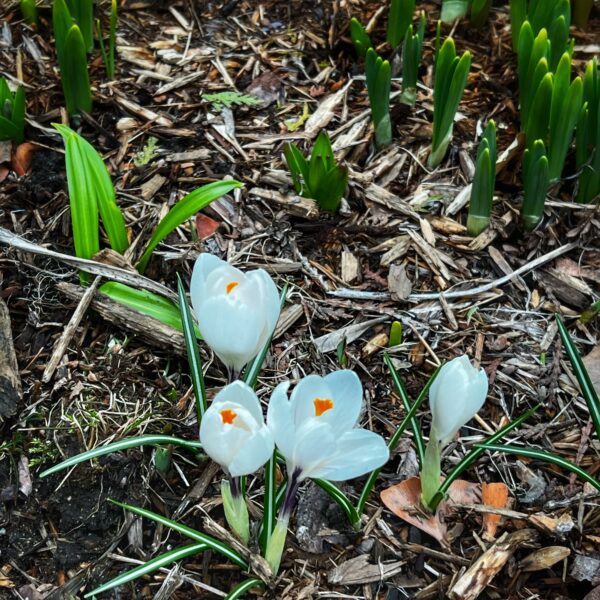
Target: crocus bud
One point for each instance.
(455, 397)
(315, 430)
(237, 312)
(233, 432)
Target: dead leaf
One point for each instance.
(399, 284)
(496, 495)
(25, 484)
(404, 500)
(205, 226)
(22, 157)
(592, 364)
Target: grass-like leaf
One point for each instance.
(270, 502)
(544, 456)
(407, 403)
(412, 51)
(198, 536)
(124, 444)
(336, 494)
(583, 377)
(83, 13)
(393, 442)
(74, 73)
(147, 303)
(183, 210)
(193, 354)
(149, 567)
(12, 113)
(474, 454)
(239, 590)
(29, 11)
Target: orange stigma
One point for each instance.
(230, 286)
(228, 416)
(322, 405)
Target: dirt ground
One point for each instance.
(397, 244)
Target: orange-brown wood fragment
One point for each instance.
(495, 495)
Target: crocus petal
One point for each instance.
(223, 443)
(309, 389)
(241, 393)
(358, 452)
(230, 330)
(315, 443)
(205, 264)
(280, 420)
(348, 395)
(269, 297)
(456, 395)
(257, 450)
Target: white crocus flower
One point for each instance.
(237, 312)
(233, 432)
(455, 397)
(315, 431)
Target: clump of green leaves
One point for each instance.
(29, 11)
(379, 83)
(587, 154)
(360, 37)
(411, 58)
(12, 113)
(229, 99)
(399, 19)
(451, 74)
(317, 177)
(552, 15)
(147, 153)
(72, 59)
(482, 191)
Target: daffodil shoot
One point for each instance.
(455, 397)
(315, 432)
(236, 311)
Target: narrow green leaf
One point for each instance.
(583, 377)
(29, 12)
(183, 210)
(298, 167)
(545, 457)
(480, 11)
(344, 502)
(82, 197)
(193, 354)
(270, 502)
(581, 13)
(475, 453)
(406, 402)
(61, 24)
(395, 334)
(210, 542)
(124, 444)
(83, 13)
(145, 302)
(331, 189)
(411, 58)
(242, 588)
(518, 14)
(536, 181)
(149, 567)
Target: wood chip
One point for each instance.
(544, 558)
(292, 204)
(350, 267)
(330, 341)
(190, 156)
(359, 570)
(10, 380)
(150, 187)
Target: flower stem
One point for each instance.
(276, 541)
(236, 511)
(431, 471)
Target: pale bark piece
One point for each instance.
(325, 112)
(150, 187)
(297, 206)
(399, 284)
(489, 564)
(350, 267)
(148, 329)
(190, 156)
(392, 202)
(592, 364)
(10, 380)
(330, 341)
(544, 558)
(359, 570)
